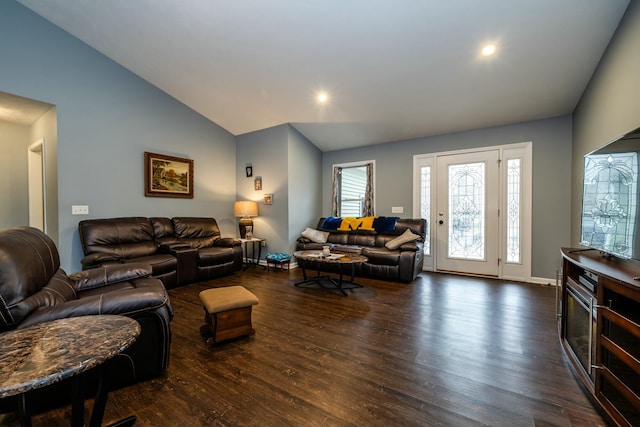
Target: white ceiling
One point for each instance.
(394, 70)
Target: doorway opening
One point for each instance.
(37, 185)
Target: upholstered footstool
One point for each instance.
(227, 313)
(277, 259)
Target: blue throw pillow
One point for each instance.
(331, 223)
(384, 224)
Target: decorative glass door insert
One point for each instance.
(467, 213)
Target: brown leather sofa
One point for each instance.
(179, 250)
(402, 264)
(34, 289)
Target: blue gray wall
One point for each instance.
(267, 152)
(610, 106)
(551, 177)
(290, 167)
(305, 185)
(107, 118)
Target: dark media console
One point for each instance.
(600, 330)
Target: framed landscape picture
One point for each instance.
(167, 176)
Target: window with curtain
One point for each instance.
(353, 189)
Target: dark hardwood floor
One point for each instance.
(444, 350)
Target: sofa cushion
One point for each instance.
(28, 260)
(381, 256)
(160, 263)
(315, 236)
(348, 249)
(215, 256)
(196, 232)
(123, 238)
(405, 237)
(163, 230)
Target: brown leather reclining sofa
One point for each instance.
(34, 289)
(401, 264)
(179, 250)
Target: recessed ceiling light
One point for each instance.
(322, 98)
(489, 49)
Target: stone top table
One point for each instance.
(50, 352)
(337, 258)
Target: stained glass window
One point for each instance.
(425, 206)
(467, 211)
(513, 210)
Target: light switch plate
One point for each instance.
(397, 209)
(79, 210)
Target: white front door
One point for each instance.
(466, 213)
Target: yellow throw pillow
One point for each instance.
(346, 223)
(364, 223)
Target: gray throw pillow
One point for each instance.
(405, 237)
(316, 236)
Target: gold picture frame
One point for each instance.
(167, 176)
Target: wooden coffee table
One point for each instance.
(339, 259)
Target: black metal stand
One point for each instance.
(319, 279)
(253, 261)
(77, 403)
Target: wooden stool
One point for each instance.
(227, 313)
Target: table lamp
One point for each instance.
(245, 210)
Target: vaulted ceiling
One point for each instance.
(392, 70)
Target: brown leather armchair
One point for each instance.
(34, 289)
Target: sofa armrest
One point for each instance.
(143, 297)
(226, 242)
(109, 274)
(92, 260)
(409, 246)
(173, 247)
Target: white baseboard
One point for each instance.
(543, 281)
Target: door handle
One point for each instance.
(441, 222)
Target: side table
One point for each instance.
(254, 241)
(49, 352)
